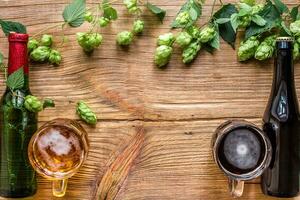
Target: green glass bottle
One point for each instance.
(17, 125)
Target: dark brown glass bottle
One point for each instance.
(17, 125)
(282, 126)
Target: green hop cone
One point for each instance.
(190, 52)
(124, 38)
(55, 57)
(266, 49)
(183, 39)
(257, 8)
(244, 21)
(131, 6)
(85, 113)
(138, 27)
(33, 104)
(248, 48)
(103, 21)
(249, 2)
(40, 54)
(89, 41)
(166, 39)
(207, 34)
(183, 18)
(32, 45)
(295, 28)
(162, 55)
(46, 40)
(88, 16)
(194, 31)
(296, 53)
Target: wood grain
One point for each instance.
(179, 107)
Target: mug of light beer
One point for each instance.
(242, 152)
(57, 151)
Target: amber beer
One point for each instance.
(57, 151)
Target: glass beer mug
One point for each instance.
(242, 152)
(57, 151)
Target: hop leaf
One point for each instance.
(85, 113)
(124, 38)
(190, 52)
(74, 13)
(40, 54)
(296, 53)
(55, 57)
(138, 27)
(33, 104)
(266, 49)
(166, 39)
(248, 48)
(162, 55)
(46, 40)
(183, 39)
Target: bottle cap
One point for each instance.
(284, 42)
(17, 37)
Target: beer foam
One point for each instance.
(58, 144)
(242, 149)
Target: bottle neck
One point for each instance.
(284, 69)
(18, 57)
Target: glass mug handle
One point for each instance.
(59, 187)
(236, 187)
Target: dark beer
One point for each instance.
(282, 126)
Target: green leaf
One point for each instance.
(110, 13)
(222, 20)
(74, 13)
(272, 17)
(294, 13)
(48, 103)
(225, 30)
(1, 58)
(16, 79)
(258, 20)
(160, 13)
(10, 26)
(245, 9)
(281, 7)
(285, 29)
(215, 42)
(193, 7)
(234, 21)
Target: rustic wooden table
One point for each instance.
(179, 108)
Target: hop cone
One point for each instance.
(296, 53)
(183, 18)
(245, 21)
(183, 39)
(55, 57)
(124, 38)
(40, 54)
(257, 8)
(46, 40)
(190, 52)
(249, 2)
(89, 41)
(248, 48)
(207, 34)
(32, 45)
(166, 39)
(131, 6)
(138, 26)
(85, 113)
(88, 16)
(194, 31)
(33, 104)
(295, 28)
(266, 49)
(162, 55)
(103, 21)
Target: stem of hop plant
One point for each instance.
(48, 28)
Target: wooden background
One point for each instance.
(179, 107)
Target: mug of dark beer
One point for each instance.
(242, 152)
